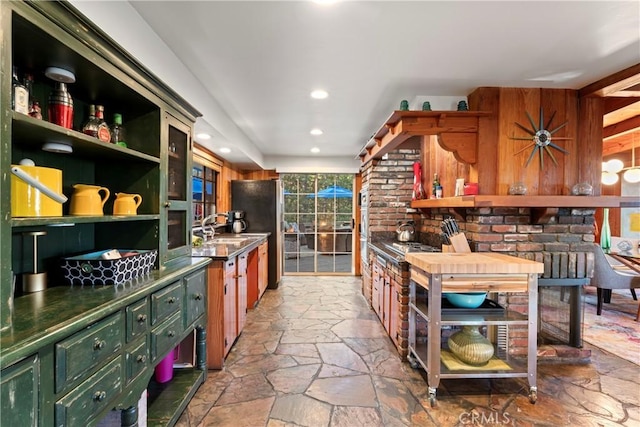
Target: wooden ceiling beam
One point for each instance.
(621, 128)
(620, 144)
(612, 84)
(614, 103)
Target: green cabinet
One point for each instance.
(19, 393)
(97, 344)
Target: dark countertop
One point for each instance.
(227, 246)
(45, 317)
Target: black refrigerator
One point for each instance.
(262, 203)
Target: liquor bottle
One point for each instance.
(605, 233)
(91, 127)
(117, 131)
(104, 134)
(435, 185)
(19, 94)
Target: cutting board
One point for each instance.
(472, 263)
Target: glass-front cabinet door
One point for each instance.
(177, 231)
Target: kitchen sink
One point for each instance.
(228, 240)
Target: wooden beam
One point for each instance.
(620, 144)
(624, 127)
(616, 82)
(613, 103)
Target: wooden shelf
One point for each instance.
(458, 131)
(542, 207)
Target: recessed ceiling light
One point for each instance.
(225, 150)
(203, 136)
(319, 94)
(315, 150)
(316, 131)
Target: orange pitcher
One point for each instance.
(126, 204)
(86, 200)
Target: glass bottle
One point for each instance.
(91, 127)
(117, 131)
(104, 134)
(19, 94)
(605, 232)
(435, 185)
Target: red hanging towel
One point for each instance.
(418, 190)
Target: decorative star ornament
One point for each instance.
(541, 138)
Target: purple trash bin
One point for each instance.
(164, 369)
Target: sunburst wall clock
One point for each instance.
(541, 138)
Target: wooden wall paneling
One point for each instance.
(589, 134)
(553, 176)
(513, 154)
(572, 161)
(486, 99)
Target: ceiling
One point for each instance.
(249, 67)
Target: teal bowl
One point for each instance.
(466, 300)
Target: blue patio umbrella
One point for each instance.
(333, 191)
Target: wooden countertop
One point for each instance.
(472, 263)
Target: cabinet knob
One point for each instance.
(141, 358)
(167, 204)
(142, 318)
(171, 300)
(171, 334)
(99, 396)
(198, 297)
(99, 344)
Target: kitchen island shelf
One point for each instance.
(511, 317)
(514, 366)
(435, 273)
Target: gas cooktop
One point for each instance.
(404, 247)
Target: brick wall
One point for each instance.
(390, 186)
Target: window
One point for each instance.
(204, 191)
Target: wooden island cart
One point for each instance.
(435, 273)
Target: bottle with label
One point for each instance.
(104, 134)
(91, 127)
(436, 183)
(117, 131)
(19, 94)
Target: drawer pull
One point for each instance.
(171, 334)
(99, 344)
(171, 300)
(141, 358)
(198, 297)
(99, 396)
(142, 318)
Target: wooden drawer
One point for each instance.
(196, 304)
(165, 336)
(90, 397)
(86, 349)
(136, 359)
(166, 302)
(137, 319)
(19, 391)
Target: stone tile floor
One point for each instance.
(314, 354)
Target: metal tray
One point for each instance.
(488, 307)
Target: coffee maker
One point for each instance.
(236, 221)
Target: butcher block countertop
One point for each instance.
(472, 263)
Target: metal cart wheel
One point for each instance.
(412, 362)
(432, 397)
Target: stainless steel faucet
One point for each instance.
(208, 234)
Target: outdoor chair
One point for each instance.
(608, 274)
